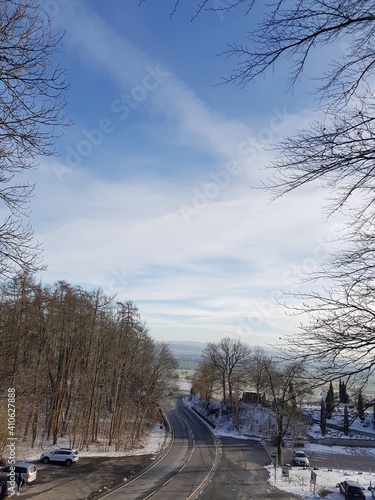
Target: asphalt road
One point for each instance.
(185, 468)
(241, 474)
(87, 479)
(181, 472)
(196, 463)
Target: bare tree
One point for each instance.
(31, 113)
(287, 389)
(338, 151)
(87, 366)
(256, 372)
(229, 357)
(337, 336)
(206, 380)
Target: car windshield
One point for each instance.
(300, 454)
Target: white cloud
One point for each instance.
(219, 273)
(204, 256)
(142, 80)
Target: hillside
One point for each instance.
(187, 353)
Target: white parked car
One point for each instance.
(62, 455)
(300, 458)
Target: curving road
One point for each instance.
(185, 469)
(194, 464)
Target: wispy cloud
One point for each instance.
(201, 253)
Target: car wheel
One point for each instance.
(45, 460)
(68, 462)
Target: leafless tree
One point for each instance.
(256, 373)
(229, 357)
(206, 380)
(338, 151)
(31, 114)
(287, 388)
(87, 366)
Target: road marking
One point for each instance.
(149, 468)
(169, 480)
(150, 495)
(214, 466)
(205, 480)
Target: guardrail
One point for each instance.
(211, 424)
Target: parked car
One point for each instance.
(27, 469)
(299, 442)
(5, 491)
(352, 490)
(62, 455)
(300, 458)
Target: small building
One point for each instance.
(249, 397)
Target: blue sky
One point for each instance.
(150, 197)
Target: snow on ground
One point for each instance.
(184, 385)
(298, 482)
(255, 422)
(356, 425)
(150, 445)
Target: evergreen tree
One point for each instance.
(330, 402)
(323, 417)
(360, 408)
(344, 397)
(346, 421)
(331, 397)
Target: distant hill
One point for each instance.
(186, 347)
(190, 347)
(187, 353)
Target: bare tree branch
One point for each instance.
(32, 87)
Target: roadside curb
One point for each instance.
(164, 449)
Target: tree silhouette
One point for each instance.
(32, 105)
(323, 417)
(346, 421)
